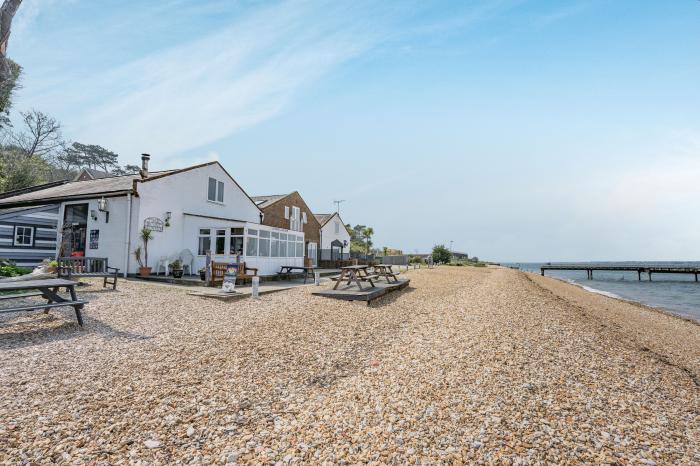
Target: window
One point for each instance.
(291, 245)
(286, 212)
(303, 217)
(220, 242)
(204, 241)
(283, 245)
(236, 243)
(337, 227)
(275, 249)
(264, 244)
(251, 248)
(295, 221)
(215, 190)
(300, 248)
(24, 236)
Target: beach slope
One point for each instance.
(467, 365)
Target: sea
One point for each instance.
(675, 293)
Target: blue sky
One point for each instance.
(520, 130)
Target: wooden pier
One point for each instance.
(649, 270)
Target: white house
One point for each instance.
(335, 239)
(200, 208)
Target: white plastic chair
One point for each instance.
(164, 262)
(187, 259)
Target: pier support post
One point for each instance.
(542, 271)
(696, 277)
(650, 275)
(639, 275)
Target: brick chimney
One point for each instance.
(144, 165)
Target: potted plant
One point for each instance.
(52, 267)
(177, 269)
(144, 269)
(203, 274)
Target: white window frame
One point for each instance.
(219, 191)
(337, 227)
(31, 236)
(295, 220)
(286, 212)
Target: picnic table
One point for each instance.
(385, 270)
(48, 289)
(287, 270)
(354, 273)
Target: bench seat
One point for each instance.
(36, 307)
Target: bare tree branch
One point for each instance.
(42, 135)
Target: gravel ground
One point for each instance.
(467, 365)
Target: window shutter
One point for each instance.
(286, 212)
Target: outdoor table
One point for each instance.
(287, 270)
(48, 289)
(384, 270)
(354, 273)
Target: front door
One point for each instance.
(74, 230)
(312, 252)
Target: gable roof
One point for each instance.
(325, 218)
(92, 174)
(87, 189)
(265, 201)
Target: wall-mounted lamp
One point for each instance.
(93, 215)
(262, 217)
(102, 204)
(168, 216)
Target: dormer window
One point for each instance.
(215, 193)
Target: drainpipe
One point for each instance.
(128, 235)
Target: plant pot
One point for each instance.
(144, 271)
(177, 273)
(203, 276)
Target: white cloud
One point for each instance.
(196, 93)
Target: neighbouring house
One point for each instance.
(290, 211)
(91, 174)
(200, 208)
(28, 234)
(335, 238)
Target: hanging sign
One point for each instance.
(154, 224)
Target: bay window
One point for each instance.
(204, 241)
(251, 248)
(236, 241)
(220, 242)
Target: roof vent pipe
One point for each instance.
(144, 165)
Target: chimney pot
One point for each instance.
(144, 165)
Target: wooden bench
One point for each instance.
(48, 289)
(70, 267)
(218, 269)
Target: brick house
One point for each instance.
(291, 212)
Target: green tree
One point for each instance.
(385, 251)
(7, 88)
(441, 254)
(367, 233)
(17, 170)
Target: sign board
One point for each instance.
(230, 278)
(94, 239)
(154, 224)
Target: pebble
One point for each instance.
(519, 366)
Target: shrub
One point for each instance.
(8, 269)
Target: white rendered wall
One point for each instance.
(328, 234)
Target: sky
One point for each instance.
(517, 130)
